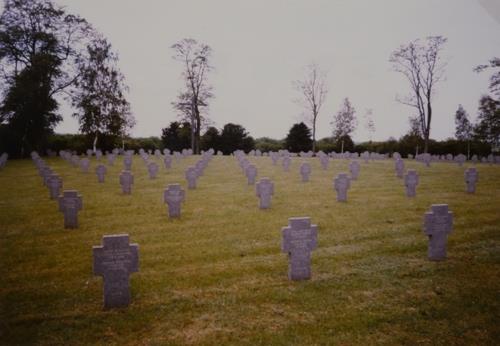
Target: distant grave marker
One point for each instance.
(471, 178)
(264, 190)
(126, 182)
(100, 170)
(354, 169)
(191, 176)
(152, 170)
(70, 203)
(251, 174)
(305, 171)
(54, 183)
(341, 184)
(411, 182)
(173, 196)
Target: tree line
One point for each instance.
(47, 54)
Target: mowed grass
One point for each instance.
(217, 276)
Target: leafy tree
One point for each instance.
(269, 144)
(413, 139)
(298, 138)
(463, 127)
(313, 92)
(211, 139)
(40, 44)
(100, 97)
(344, 123)
(235, 137)
(176, 136)
(420, 63)
(488, 125)
(193, 99)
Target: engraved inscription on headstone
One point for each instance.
(298, 240)
(438, 223)
(115, 260)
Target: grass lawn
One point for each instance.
(217, 276)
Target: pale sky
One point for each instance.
(260, 47)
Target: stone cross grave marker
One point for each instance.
(173, 196)
(286, 163)
(167, 161)
(324, 162)
(251, 173)
(70, 203)
(399, 165)
(264, 190)
(98, 154)
(411, 182)
(274, 158)
(54, 183)
(84, 165)
(153, 170)
(305, 171)
(111, 159)
(438, 223)
(299, 238)
(341, 184)
(354, 169)
(127, 162)
(115, 260)
(126, 181)
(100, 170)
(471, 178)
(191, 176)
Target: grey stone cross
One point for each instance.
(471, 178)
(305, 171)
(299, 238)
(126, 181)
(251, 173)
(354, 169)
(115, 260)
(411, 182)
(70, 202)
(191, 177)
(54, 183)
(100, 170)
(153, 170)
(341, 184)
(173, 196)
(264, 190)
(438, 223)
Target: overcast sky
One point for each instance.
(260, 47)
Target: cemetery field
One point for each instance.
(217, 275)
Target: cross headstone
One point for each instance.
(251, 173)
(54, 183)
(127, 163)
(153, 170)
(426, 158)
(411, 182)
(191, 177)
(84, 164)
(305, 171)
(400, 167)
(70, 202)
(111, 159)
(126, 181)
(438, 223)
(167, 161)
(286, 163)
(354, 169)
(173, 196)
(471, 178)
(264, 190)
(100, 170)
(341, 184)
(298, 240)
(115, 260)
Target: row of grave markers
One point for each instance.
(116, 258)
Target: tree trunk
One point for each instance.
(197, 134)
(342, 147)
(95, 142)
(468, 150)
(314, 136)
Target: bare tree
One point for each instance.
(463, 127)
(344, 123)
(421, 64)
(313, 91)
(370, 124)
(193, 99)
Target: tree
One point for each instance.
(193, 99)
(235, 137)
(313, 91)
(40, 44)
(463, 127)
(344, 123)
(211, 139)
(421, 64)
(488, 125)
(176, 136)
(100, 94)
(298, 138)
(370, 124)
